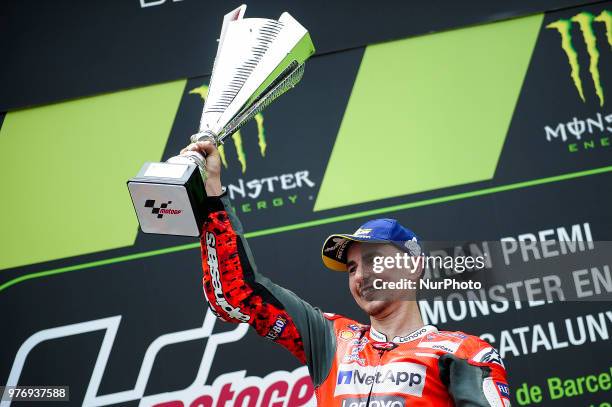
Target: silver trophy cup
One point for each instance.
(257, 61)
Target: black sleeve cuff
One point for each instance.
(215, 203)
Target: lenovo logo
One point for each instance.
(375, 401)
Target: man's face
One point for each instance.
(361, 261)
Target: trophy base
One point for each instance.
(169, 199)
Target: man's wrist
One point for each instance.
(214, 188)
(214, 203)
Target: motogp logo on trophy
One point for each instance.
(162, 209)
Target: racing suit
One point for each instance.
(350, 364)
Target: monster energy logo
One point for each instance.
(237, 137)
(585, 21)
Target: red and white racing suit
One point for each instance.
(351, 364)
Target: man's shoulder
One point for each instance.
(343, 322)
(468, 346)
(333, 316)
(461, 337)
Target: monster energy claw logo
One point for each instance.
(237, 137)
(585, 21)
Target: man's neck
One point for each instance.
(398, 321)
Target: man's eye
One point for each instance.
(351, 270)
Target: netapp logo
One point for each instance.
(399, 378)
(162, 210)
(375, 401)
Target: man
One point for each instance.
(394, 361)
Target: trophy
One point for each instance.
(257, 60)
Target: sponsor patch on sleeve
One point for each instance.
(489, 355)
(496, 393)
(443, 345)
(277, 329)
(346, 335)
(503, 389)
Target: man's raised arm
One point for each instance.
(236, 292)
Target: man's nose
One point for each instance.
(358, 274)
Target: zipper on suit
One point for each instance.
(380, 355)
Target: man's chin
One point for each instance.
(374, 307)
